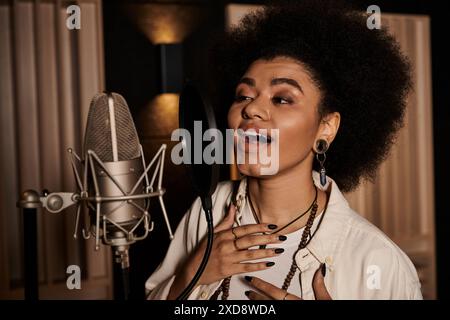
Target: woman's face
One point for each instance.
(277, 94)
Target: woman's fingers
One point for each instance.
(252, 295)
(228, 220)
(247, 267)
(320, 291)
(255, 254)
(253, 228)
(258, 240)
(225, 227)
(268, 290)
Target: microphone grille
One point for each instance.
(101, 134)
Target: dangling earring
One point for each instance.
(321, 149)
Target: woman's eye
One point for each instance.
(281, 100)
(241, 98)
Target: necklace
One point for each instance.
(286, 225)
(305, 238)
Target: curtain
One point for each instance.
(401, 199)
(49, 74)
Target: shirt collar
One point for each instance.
(324, 244)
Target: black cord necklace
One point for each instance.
(289, 223)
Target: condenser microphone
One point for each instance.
(116, 164)
(112, 138)
(114, 184)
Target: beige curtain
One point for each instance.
(401, 199)
(49, 74)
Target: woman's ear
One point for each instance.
(329, 126)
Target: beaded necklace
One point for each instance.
(305, 238)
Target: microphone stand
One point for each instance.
(121, 281)
(29, 203)
(119, 239)
(121, 272)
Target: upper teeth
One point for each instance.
(252, 134)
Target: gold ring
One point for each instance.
(234, 234)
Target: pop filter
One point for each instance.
(196, 115)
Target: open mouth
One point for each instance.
(251, 136)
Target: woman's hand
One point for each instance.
(229, 253)
(231, 249)
(271, 292)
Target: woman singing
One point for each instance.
(335, 92)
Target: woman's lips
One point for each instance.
(251, 140)
(253, 134)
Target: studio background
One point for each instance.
(50, 73)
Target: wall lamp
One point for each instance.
(170, 61)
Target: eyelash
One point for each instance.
(288, 100)
(243, 98)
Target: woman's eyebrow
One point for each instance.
(289, 81)
(248, 81)
(273, 82)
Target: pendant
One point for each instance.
(323, 177)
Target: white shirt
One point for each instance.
(362, 262)
(283, 262)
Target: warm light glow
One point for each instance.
(166, 104)
(235, 12)
(164, 23)
(160, 117)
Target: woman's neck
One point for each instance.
(282, 198)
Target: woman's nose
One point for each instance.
(256, 109)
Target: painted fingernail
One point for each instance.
(270, 264)
(279, 250)
(324, 269)
(248, 278)
(282, 238)
(272, 226)
(247, 293)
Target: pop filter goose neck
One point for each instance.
(195, 110)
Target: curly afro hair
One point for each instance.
(361, 74)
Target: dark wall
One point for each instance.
(132, 70)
